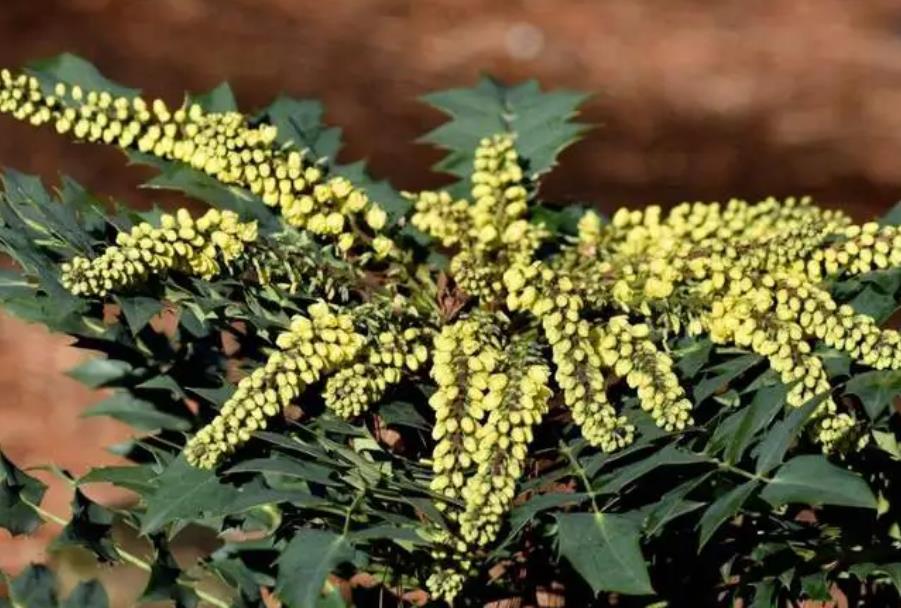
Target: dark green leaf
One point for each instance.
(876, 390)
(563, 220)
(142, 415)
(163, 582)
(98, 372)
(668, 456)
(73, 70)
(723, 508)
(299, 122)
(89, 594)
(526, 512)
(220, 99)
(776, 442)
(812, 479)
(672, 505)
(721, 375)
(15, 486)
(875, 303)
(604, 549)
(816, 587)
(892, 217)
(136, 478)
(291, 467)
(90, 528)
(35, 587)
(197, 184)
(692, 355)
(139, 310)
(399, 413)
(765, 595)
(541, 121)
(737, 432)
(305, 564)
(185, 492)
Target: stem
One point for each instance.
(577, 466)
(739, 471)
(350, 511)
(131, 558)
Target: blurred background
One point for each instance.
(693, 100)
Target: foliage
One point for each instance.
(483, 398)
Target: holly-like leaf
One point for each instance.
(722, 509)
(163, 583)
(541, 121)
(91, 528)
(142, 415)
(736, 433)
(89, 594)
(876, 390)
(300, 123)
(219, 99)
(812, 479)
(73, 70)
(35, 587)
(16, 487)
(197, 184)
(98, 372)
(305, 564)
(719, 376)
(184, 493)
(780, 436)
(139, 310)
(139, 478)
(604, 549)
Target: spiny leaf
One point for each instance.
(142, 415)
(90, 527)
(220, 99)
(877, 390)
(184, 493)
(73, 70)
(17, 516)
(299, 122)
(163, 582)
(305, 564)
(722, 509)
(604, 549)
(139, 310)
(35, 587)
(541, 121)
(814, 480)
(98, 372)
(89, 594)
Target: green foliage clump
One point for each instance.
(470, 392)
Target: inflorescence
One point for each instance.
(572, 318)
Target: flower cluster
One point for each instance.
(628, 350)
(517, 399)
(196, 247)
(311, 347)
(492, 231)
(391, 353)
(552, 299)
(223, 145)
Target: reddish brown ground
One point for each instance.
(694, 100)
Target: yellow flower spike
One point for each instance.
(179, 244)
(353, 389)
(222, 144)
(284, 376)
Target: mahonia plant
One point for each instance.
(469, 393)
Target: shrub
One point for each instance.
(471, 391)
